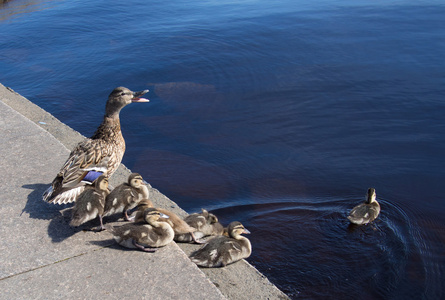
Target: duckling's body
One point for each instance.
(366, 212)
(222, 250)
(205, 224)
(179, 225)
(144, 236)
(90, 203)
(126, 196)
(99, 155)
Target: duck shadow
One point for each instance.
(36, 207)
(57, 215)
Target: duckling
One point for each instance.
(179, 226)
(221, 250)
(126, 196)
(365, 212)
(205, 224)
(99, 155)
(144, 236)
(90, 203)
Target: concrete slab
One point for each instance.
(114, 273)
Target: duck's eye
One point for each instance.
(123, 94)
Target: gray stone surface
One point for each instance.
(42, 257)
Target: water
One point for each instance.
(279, 114)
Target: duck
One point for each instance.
(366, 212)
(90, 203)
(146, 236)
(179, 226)
(99, 155)
(221, 251)
(205, 223)
(126, 196)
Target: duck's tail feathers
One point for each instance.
(47, 194)
(67, 196)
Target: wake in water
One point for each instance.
(312, 251)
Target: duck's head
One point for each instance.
(135, 180)
(371, 196)
(235, 229)
(152, 215)
(120, 97)
(211, 218)
(101, 183)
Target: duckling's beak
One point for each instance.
(246, 231)
(164, 216)
(136, 96)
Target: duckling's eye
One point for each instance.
(123, 94)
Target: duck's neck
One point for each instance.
(244, 240)
(144, 192)
(109, 130)
(372, 199)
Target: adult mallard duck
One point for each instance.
(222, 250)
(144, 236)
(90, 203)
(366, 212)
(100, 154)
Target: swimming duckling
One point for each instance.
(99, 155)
(145, 237)
(221, 250)
(90, 203)
(205, 224)
(179, 225)
(126, 196)
(365, 212)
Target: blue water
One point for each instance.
(279, 114)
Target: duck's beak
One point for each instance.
(164, 216)
(137, 98)
(246, 231)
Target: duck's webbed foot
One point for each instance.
(196, 240)
(127, 218)
(99, 228)
(140, 247)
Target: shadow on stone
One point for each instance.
(36, 207)
(111, 244)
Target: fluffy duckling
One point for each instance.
(146, 237)
(126, 196)
(365, 212)
(179, 226)
(205, 224)
(99, 155)
(90, 204)
(221, 250)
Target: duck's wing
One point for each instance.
(89, 160)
